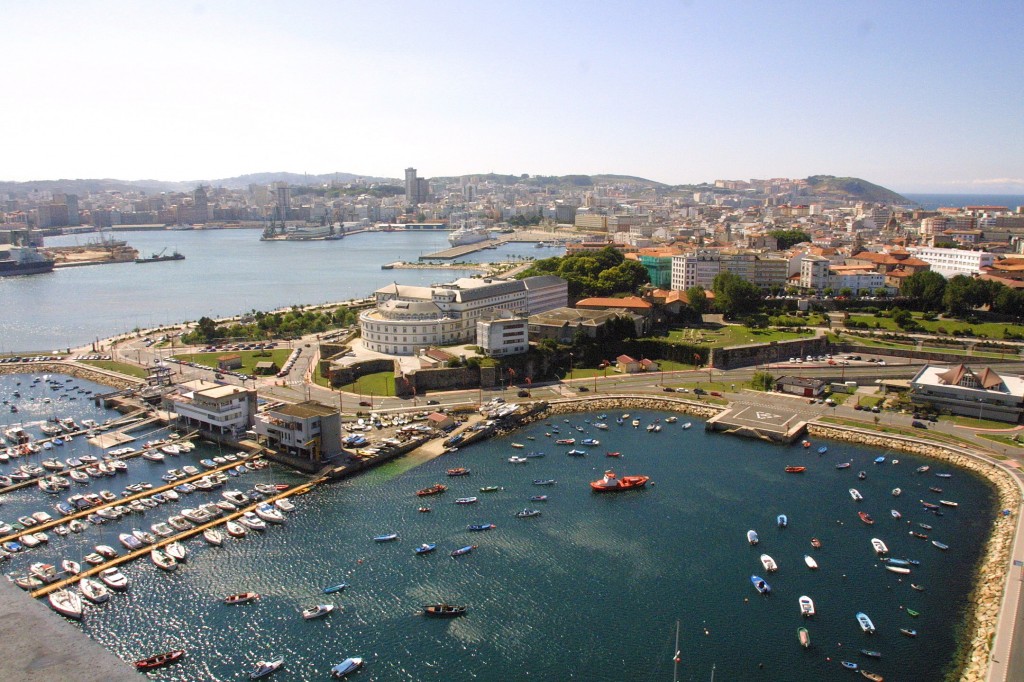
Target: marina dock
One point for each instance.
(466, 249)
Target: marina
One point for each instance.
(328, 539)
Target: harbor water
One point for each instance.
(224, 273)
(590, 589)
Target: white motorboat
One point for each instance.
(114, 579)
(177, 551)
(902, 570)
(162, 529)
(67, 603)
(143, 536)
(264, 668)
(879, 546)
(769, 563)
(855, 494)
(93, 590)
(213, 536)
(318, 611)
(811, 563)
(284, 504)
(752, 537)
(178, 522)
(44, 572)
(235, 529)
(269, 513)
(163, 560)
(130, 542)
(251, 521)
(236, 497)
(349, 665)
(806, 606)
(196, 516)
(153, 455)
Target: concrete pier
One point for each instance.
(458, 251)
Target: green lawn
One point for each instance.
(975, 423)
(378, 384)
(730, 335)
(812, 320)
(881, 343)
(249, 358)
(992, 330)
(1002, 440)
(119, 367)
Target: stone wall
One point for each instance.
(440, 379)
(944, 358)
(340, 376)
(776, 351)
(973, 657)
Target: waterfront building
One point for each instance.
(216, 409)
(503, 334)
(308, 430)
(952, 262)
(408, 319)
(802, 386)
(960, 389)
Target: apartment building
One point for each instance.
(952, 262)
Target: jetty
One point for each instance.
(465, 249)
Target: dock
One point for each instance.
(759, 423)
(466, 249)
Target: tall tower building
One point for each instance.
(284, 200)
(416, 189)
(200, 205)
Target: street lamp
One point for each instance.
(981, 404)
(570, 366)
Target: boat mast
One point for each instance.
(712, 672)
(675, 657)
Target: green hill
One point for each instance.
(852, 188)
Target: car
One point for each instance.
(582, 389)
(881, 362)
(523, 393)
(433, 402)
(699, 391)
(933, 418)
(218, 375)
(918, 424)
(682, 390)
(858, 406)
(669, 389)
(792, 361)
(716, 394)
(874, 408)
(809, 358)
(365, 403)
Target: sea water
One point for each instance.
(589, 590)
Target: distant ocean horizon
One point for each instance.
(934, 201)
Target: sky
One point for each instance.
(916, 96)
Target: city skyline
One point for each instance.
(679, 94)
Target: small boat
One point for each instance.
(880, 460)
(538, 498)
(163, 560)
(908, 632)
(426, 548)
(611, 483)
(804, 637)
(575, 452)
(928, 505)
(919, 535)
(235, 530)
(66, 603)
(940, 545)
(466, 500)
(795, 470)
(544, 481)
(947, 503)
(769, 563)
(895, 514)
(919, 588)
(71, 567)
(444, 610)
(874, 677)
(782, 520)
(806, 443)
(866, 518)
(865, 623)
(517, 460)
(912, 613)
(613, 454)
(862, 475)
(902, 570)
(879, 546)
(481, 526)
(349, 665)
(635, 423)
(458, 471)
(811, 563)
(565, 441)
(806, 606)
(264, 668)
(176, 551)
(423, 510)
(213, 536)
(944, 475)
(93, 590)
(822, 450)
(843, 465)
(848, 665)
(335, 588)
(590, 442)
(114, 579)
(159, 660)
(518, 445)
(463, 550)
(760, 585)
(687, 425)
(318, 611)
(241, 598)
(491, 489)
(870, 654)
(527, 513)
(922, 469)
(752, 537)
(855, 494)
(815, 543)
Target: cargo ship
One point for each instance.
(160, 257)
(23, 260)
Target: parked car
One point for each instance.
(682, 390)
(365, 403)
(918, 424)
(582, 389)
(874, 408)
(669, 389)
(699, 391)
(523, 393)
(716, 394)
(433, 402)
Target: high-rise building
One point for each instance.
(200, 205)
(284, 200)
(416, 189)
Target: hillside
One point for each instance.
(853, 188)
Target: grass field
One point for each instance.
(249, 358)
(1002, 440)
(378, 384)
(991, 330)
(881, 343)
(730, 335)
(120, 367)
(975, 423)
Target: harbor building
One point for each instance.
(503, 334)
(308, 430)
(973, 393)
(215, 409)
(408, 319)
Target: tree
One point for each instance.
(882, 292)
(846, 292)
(735, 296)
(787, 238)
(829, 291)
(959, 297)
(698, 299)
(763, 381)
(925, 289)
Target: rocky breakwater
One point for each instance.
(623, 403)
(973, 656)
(99, 376)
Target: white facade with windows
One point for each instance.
(952, 262)
(216, 408)
(503, 335)
(410, 318)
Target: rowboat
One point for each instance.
(241, 598)
(335, 588)
(811, 563)
(855, 494)
(912, 613)
(896, 492)
(804, 637)
(874, 677)
(782, 520)
(879, 546)
(895, 514)
(466, 500)
(815, 543)
(795, 470)
(760, 585)
(444, 610)
(432, 490)
(463, 550)
(902, 570)
(866, 518)
(385, 538)
(159, 660)
(908, 632)
(843, 465)
(865, 623)
(940, 545)
(769, 563)
(480, 526)
(347, 666)
(870, 654)
(426, 548)
(318, 611)
(947, 503)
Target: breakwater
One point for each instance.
(991, 571)
(94, 374)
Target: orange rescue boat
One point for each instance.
(611, 483)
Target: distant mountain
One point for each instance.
(243, 181)
(551, 180)
(853, 188)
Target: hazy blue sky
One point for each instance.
(917, 96)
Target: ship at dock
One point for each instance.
(23, 260)
(161, 256)
(469, 235)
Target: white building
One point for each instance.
(410, 318)
(219, 409)
(962, 390)
(952, 262)
(503, 334)
(814, 273)
(309, 430)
